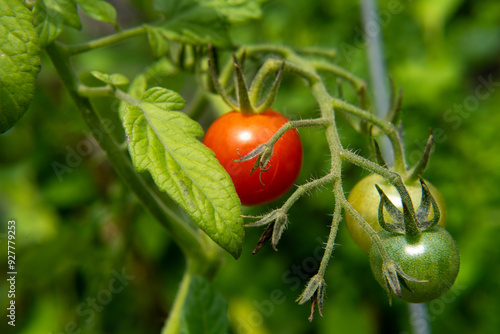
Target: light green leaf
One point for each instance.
(19, 61)
(112, 79)
(204, 311)
(99, 10)
(162, 140)
(51, 15)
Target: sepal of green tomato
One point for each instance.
(235, 134)
(365, 199)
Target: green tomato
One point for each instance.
(433, 257)
(365, 199)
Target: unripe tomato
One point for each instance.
(236, 134)
(431, 257)
(365, 198)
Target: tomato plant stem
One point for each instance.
(387, 127)
(105, 41)
(304, 188)
(340, 72)
(392, 177)
(330, 244)
(317, 51)
(173, 323)
(307, 70)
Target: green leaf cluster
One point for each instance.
(202, 22)
(51, 16)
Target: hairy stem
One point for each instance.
(340, 72)
(392, 177)
(302, 189)
(297, 124)
(387, 127)
(330, 244)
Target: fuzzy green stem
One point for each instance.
(305, 69)
(330, 244)
(387, 127)
(366, 227)
(317, 51)
(392, 177)
(340, 72)
(316, 122)
(327, 112)
(304, 188)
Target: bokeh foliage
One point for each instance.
(74, 230)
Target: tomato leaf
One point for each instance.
(162, 140)
(157, 41)
(19, 61)
(194, 22)
(236, 11)
(51, 15)
(203, 22)
(116, 79)
(204, 311)
(99, 10)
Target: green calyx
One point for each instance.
(406, 222)
(247, 100)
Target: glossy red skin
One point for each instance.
(234, 133)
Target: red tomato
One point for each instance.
(234, 133)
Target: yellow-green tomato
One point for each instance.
(365, 199)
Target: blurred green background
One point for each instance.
(79, 230)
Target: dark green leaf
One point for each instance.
(19, 61)
(99, 10)
(205, 310)
(163, 141)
